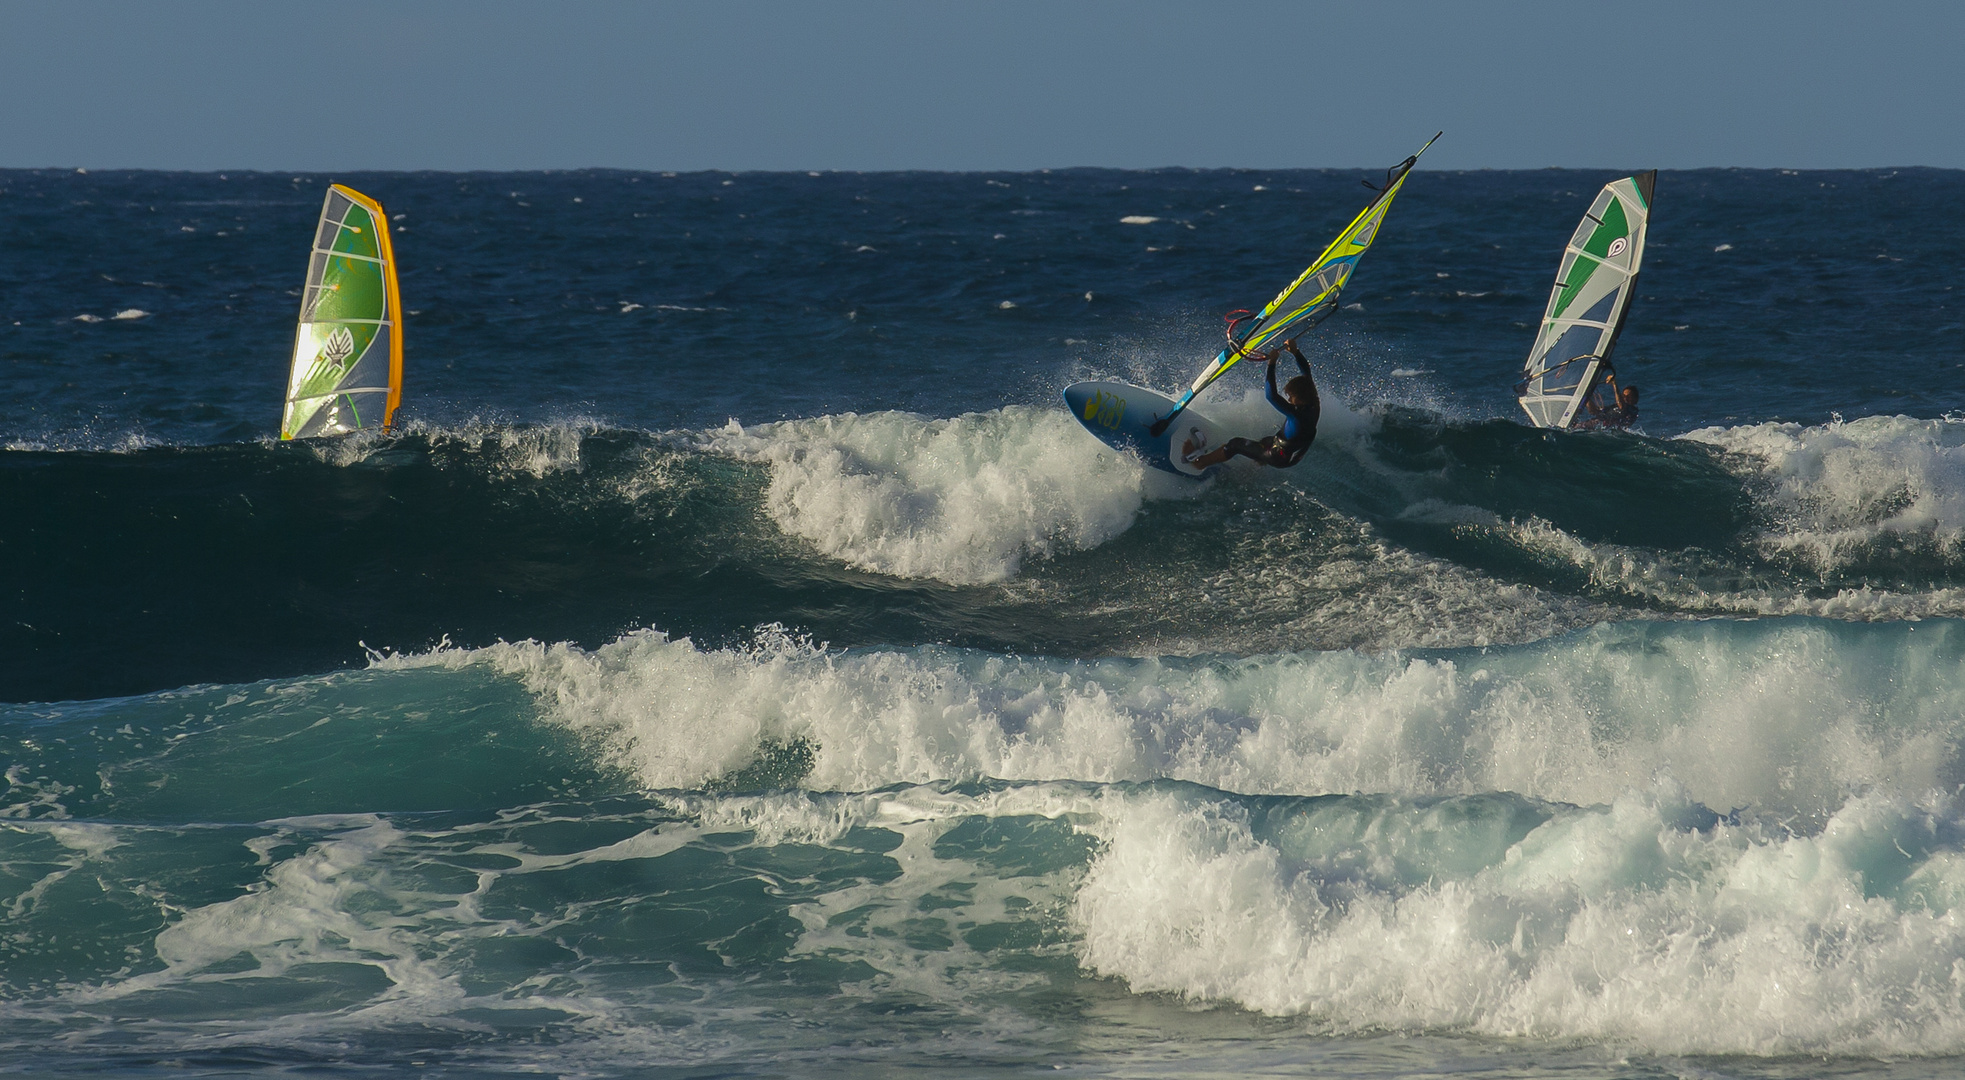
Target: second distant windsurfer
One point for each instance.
(1301, 408)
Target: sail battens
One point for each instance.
(347, 255)
(346, 390)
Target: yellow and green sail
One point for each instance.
(348, 349)
(1312, 296)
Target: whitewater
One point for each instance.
(739, 662)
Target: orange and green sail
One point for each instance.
(1306, 301)
(348, 349)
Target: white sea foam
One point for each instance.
(1337, 585)
(1645, 923)
(1844, 492)
(80, 843)
(1696, 582)
(1787, 718)
(1615, 923)
(535, 450)
(312, 908)
(1838, 499)
(963, 500)
(85, 439)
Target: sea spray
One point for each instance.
(1878, 490)
(963, 500)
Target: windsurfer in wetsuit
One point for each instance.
(1621, 415)
(1300, 407)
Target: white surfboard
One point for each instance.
(1122, 415)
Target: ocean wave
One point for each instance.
(1843, 496)
(1683, 837)
(1009, 530)
(1649, 923)
(1695, 581)
(960, 914)
(1786, 717)
(503, 449)
(963, 500)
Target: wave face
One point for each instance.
(1005, 530)
(737, 662)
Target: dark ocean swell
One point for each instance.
(1010, 530)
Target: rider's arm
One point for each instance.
(1315, 404)
(1300, 361)
(1275, 398)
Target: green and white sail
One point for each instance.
(348, 349)
(1306, 301)
(1587, 306)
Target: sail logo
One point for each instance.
(1105, 409)
(339, 347)
(1618, 246)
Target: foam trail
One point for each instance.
(1693, 581)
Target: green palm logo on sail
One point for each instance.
(340, 346)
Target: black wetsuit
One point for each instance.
(1286, 447)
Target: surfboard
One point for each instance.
(1122, 416)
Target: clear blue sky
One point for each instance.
(1008, 84)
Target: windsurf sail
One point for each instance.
(1594, 284)
(348, 349)
(1306, 301)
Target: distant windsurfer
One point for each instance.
(1301, 408)
(1622, 414)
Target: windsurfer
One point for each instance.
(1301, 409)
(1620, 415)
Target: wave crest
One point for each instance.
(962, 500)
(1788, 718)
(1841, 495)
(1647, 922)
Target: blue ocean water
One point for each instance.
(738, 662)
